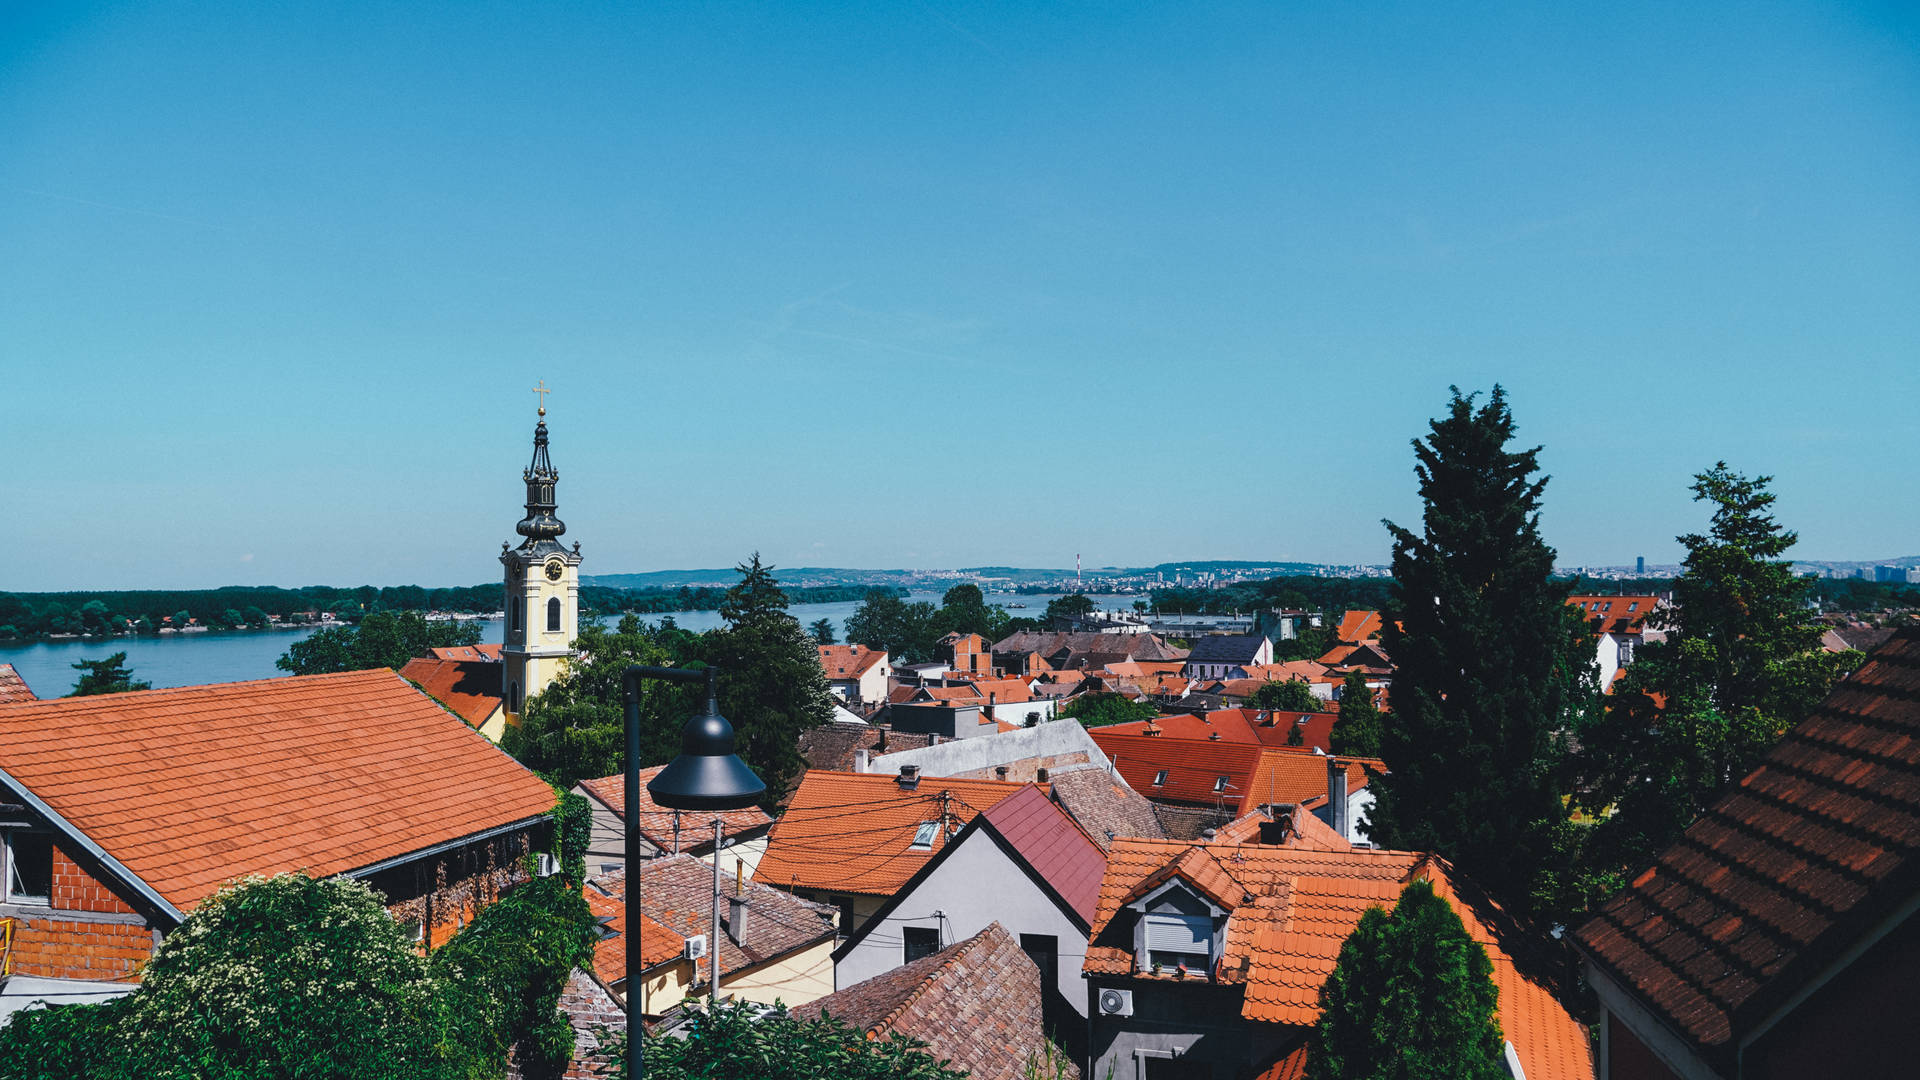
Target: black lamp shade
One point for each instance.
(707, 775)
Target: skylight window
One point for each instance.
(923, 836)
(1220, 784)
(1160, 777)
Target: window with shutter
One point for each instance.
(1174, 939)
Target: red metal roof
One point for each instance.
(1053, 845)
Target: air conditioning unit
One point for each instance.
(1116, 1003)
(696, 947)
(546, 864)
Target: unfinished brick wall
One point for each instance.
(1026, 770)
(88, 932)
(591, 1010)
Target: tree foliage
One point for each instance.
(886, 621)
(502, 976)
(1101, 709)
(1491, 665)
(1293, 695)
(108, 676)
(384, 639)
(821, 630)
(1741, 664)
(1066, 611)
(1358, 729)
(575, 729)
(740, 1042)
(1411, 998)
(964, 610)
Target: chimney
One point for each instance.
(737, 919)
(1040, 775)
(909, 778)
(1213, 736)
(1151, 729)
(1274, 830)
(1337, 795)
(1000, 772)
(860, 759)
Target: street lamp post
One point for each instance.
(706, 776)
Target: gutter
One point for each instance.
(86, 844)
(445, 845)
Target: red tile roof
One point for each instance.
(1261, 726)
(1778, 878)
(606, 898)
(677, 892)
(1290, 911)
(1053, 845)
(471, 688)
(1255, 774)
(13, 688)
(1357, 626)
(193, 786)
(1615, 614)
(489, 652)
(842, 662)
(657, 822)
(853, 832)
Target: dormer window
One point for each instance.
(1173, 940)
(1159, 778)
(923, 836)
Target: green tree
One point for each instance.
(1293, 695)
(1741, 664)
(1358, 729)
(94, 617)
(181, 618)
(1489, 667)
(741, 1042)
(384, 639)
(771, 685)
(964, 610)
(503, 974)
(574, 730)
(1067, 610)
(253, 616)
(822, 631)
(1101, 709)
(108, 676)
(1411, 998)
(885, 621)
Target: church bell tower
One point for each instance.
(542, 586)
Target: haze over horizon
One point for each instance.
(938, 285)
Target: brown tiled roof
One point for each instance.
(677, 892)
(606, 898)
(657, 822)
(1357, 626)
(1104, 805)
(471, 688)
(1304, 829)
(13, 688)
(830, 746)
(1255, 774)
(976, 1003)
(1781, 876)
(853, 832)
(192, 786)
(1290, 911)
(1253, 726)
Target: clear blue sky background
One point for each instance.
(937, 283)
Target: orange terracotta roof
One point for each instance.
(1357, 626)
(1145, 667)
(13, 688)
(853, 832)
(1615, 614)
(1193, 768)
(469, 652)
(848, 661)
(1290, 911)
(1262, 726)
(471, 688)
(193, 786)
(658, 945)
(1306, 831)
(657, 822)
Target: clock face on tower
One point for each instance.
(554, 569)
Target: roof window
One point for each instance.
(1220, 784)
(923, 836)
(1160, 777)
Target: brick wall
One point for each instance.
(88, 932)
(591, 1010)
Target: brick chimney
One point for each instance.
(909, 777)
(1337, 796)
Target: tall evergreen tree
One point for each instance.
(1741, 664)
(108, 676)
(1358, 731)
(1412, 998)
(1487, 666)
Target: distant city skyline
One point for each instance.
(933, 286)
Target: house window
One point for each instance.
(923, 836)
(29, 867)
(553, 615)
(1160, 778)
(1044, 951)
(513, 613)
(1175, 939)
(921, 941)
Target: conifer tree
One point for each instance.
(1488, 666)
(771, 684)
(1358, 731)
(1412, 998)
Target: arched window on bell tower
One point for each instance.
(553, 615)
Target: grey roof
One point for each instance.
(1086, 649)
(1226, 649)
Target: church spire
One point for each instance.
(540, 524)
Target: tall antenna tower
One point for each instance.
(1076, 571)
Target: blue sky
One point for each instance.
(938, 283)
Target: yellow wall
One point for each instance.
(795, 979)
(495, 725)
(664, 988)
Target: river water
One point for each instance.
(232, 656)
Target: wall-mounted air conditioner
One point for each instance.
(546, 864)
(696, 947)
(1116, 1003)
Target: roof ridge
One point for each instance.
(104, 700)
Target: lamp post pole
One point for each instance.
(706, 776)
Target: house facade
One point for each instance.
(1225, 656)
(855, 673)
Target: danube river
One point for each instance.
(192, 659)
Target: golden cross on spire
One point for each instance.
(542, 390)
